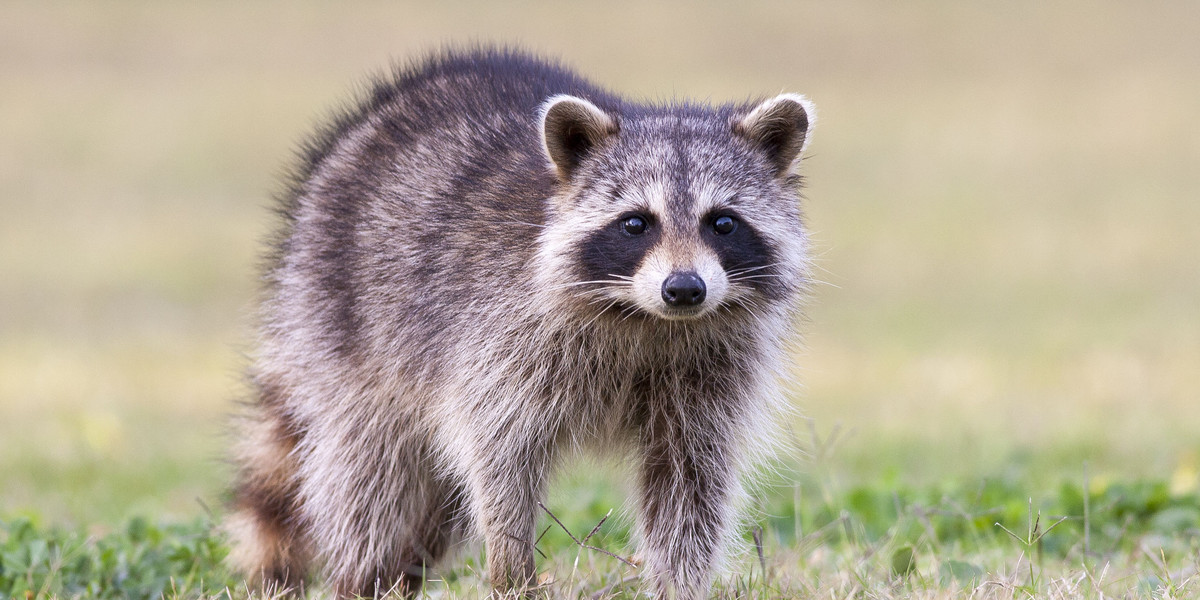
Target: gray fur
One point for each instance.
(434, 339)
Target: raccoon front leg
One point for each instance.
(507, 479)
(688, 477)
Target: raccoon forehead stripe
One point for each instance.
(652, 197)
(681, 174)
(712, 198)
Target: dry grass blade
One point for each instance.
(758, 547)
(614, 586)
(581, 543)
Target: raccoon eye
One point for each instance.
(634, 225)
(724, 224)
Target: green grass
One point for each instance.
(1003, 206)
(991, 539)
(140, 560)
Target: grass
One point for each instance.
(993, 540)
(1002, 201)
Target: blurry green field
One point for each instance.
(1005, 202)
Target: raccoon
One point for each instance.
(488, 265)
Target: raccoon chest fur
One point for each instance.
(488, 263)
(597, 385)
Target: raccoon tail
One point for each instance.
(265, 527)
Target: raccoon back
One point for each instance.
(420, 207)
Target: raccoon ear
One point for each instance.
(781, 127)
(571, 129)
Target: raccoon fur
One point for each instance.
(487, 265)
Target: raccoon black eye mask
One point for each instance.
(487, 264)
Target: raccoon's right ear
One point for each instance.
(571, 129)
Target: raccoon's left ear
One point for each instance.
(781, 127)
(571, 129)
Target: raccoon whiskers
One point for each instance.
(602, 299)
(760, 276)
(605, 282)
(749, 307)
(811, 280)
(604, 290)
(736, 272)
(752, 305)
(613, 302)
(627, 312)
(750, 273)
(815, 265)
(757, 280)
(758, 318)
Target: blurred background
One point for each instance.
(1004, 198)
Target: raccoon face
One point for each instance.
(676, 212)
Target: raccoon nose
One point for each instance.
(683, 289)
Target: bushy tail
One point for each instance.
(264, 526)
